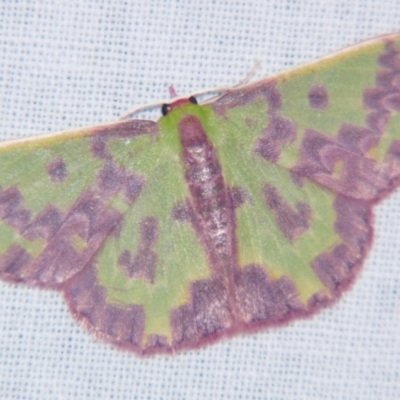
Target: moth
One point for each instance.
(243, 213)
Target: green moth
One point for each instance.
(243, 213)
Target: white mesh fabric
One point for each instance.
(70, 64)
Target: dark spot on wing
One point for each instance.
(143, 263)
(292, 222)
(183, 211)
(12, 211)
(239, 196)
(318, 97)
(112, 179)
(280, 132)
(57, 170)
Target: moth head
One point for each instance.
(168, 107)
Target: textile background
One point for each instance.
(77, 63)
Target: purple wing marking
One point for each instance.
(57, 170)
(87, 301)
(292, 223)
(143, 263)
(279, 133)
(318, 97)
